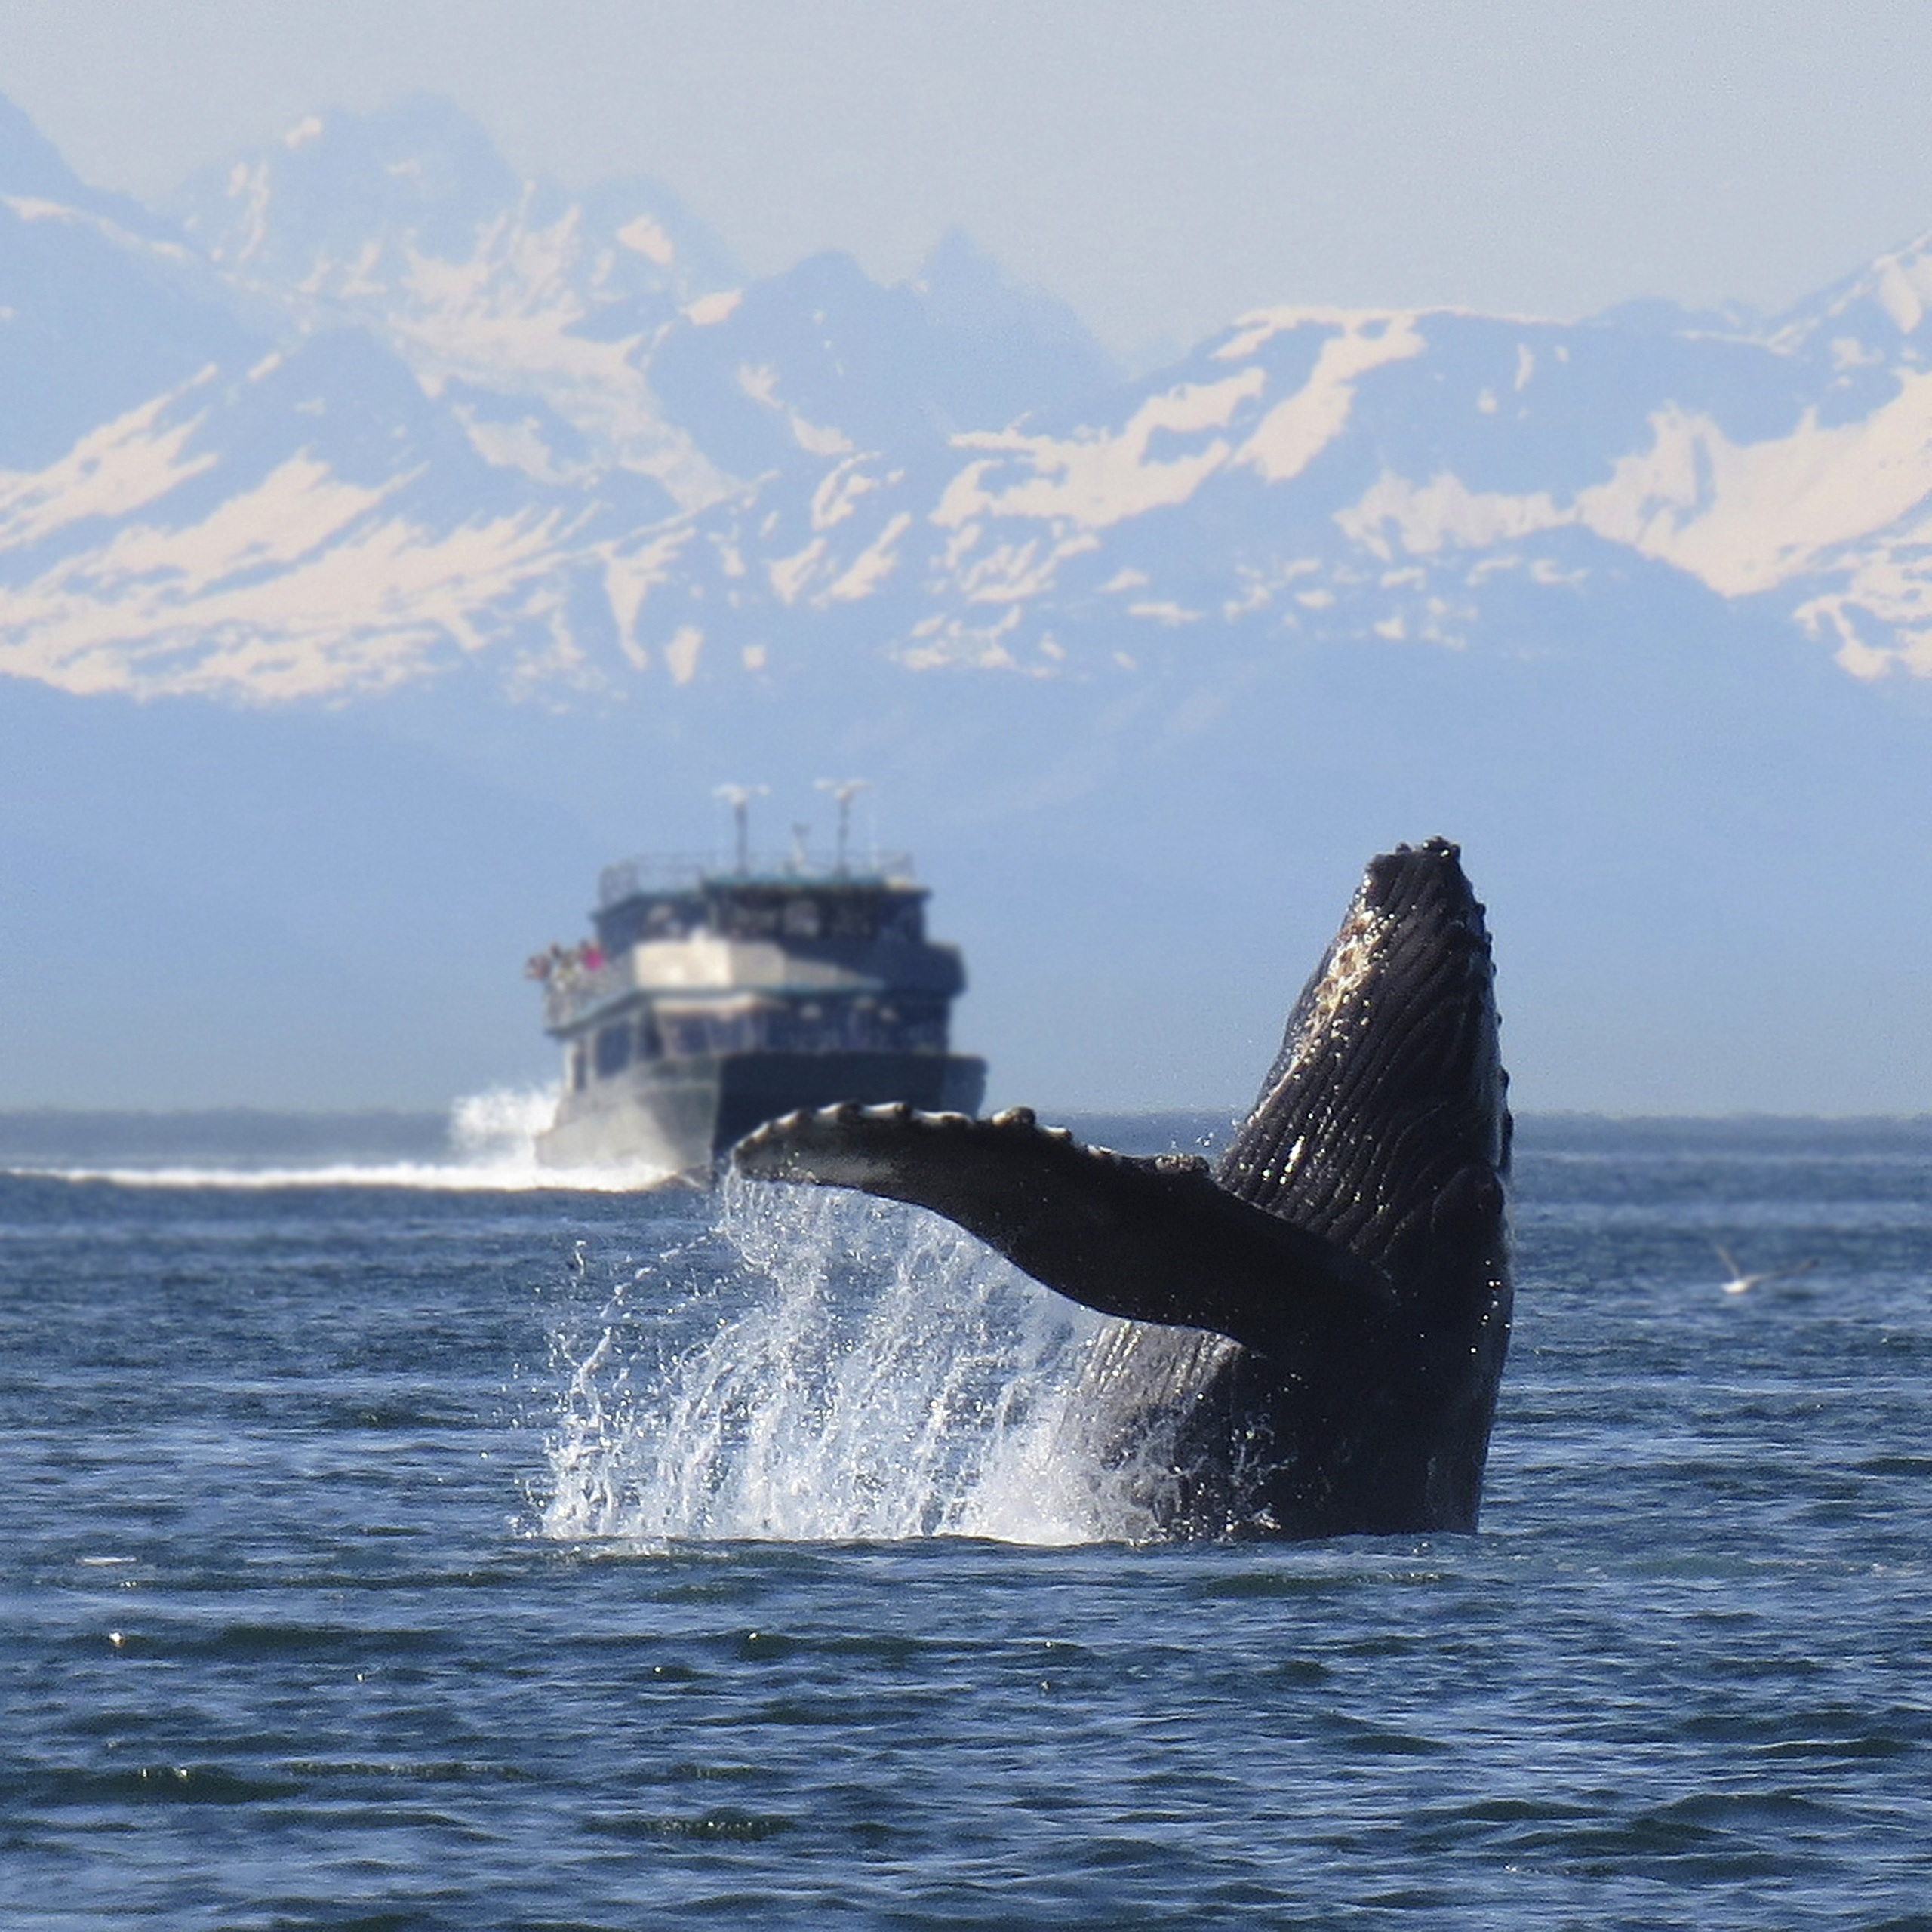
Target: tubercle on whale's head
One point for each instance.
(1406, 879)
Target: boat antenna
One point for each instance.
(738, 798)
(844, 790)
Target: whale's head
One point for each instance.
(1388, 1093)
(1384, 1126)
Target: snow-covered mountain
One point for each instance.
(409, 224)
(376, 405)
(482, 417)
(537, 486)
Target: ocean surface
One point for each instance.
(402, 1543)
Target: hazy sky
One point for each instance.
(1161, 164)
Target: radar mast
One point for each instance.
(843, 791)
(738, 798)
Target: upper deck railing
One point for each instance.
(671, 872)
(575, 990)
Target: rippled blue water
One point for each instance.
(288, 1643)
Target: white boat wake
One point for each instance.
(492, 1149)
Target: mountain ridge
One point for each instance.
(719, 469)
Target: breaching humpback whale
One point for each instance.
(1314, 1330)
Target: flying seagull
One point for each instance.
(1740, 1283)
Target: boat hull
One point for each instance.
(679, 1116)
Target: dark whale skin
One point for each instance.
(1315, 1332)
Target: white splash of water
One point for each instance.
(501, 1123)
(865, 1371)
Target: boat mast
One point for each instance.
(738, 798)
(844, 790)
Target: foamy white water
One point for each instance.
(493, 1137)
(868, 1371)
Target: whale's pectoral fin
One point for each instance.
(1152, 1240)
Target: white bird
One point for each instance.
(1741, 1283)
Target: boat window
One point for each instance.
(855, 916)
(579, 1069)
(613, 1050)
(685, 1036)
(922, 1030)
(901, 919)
